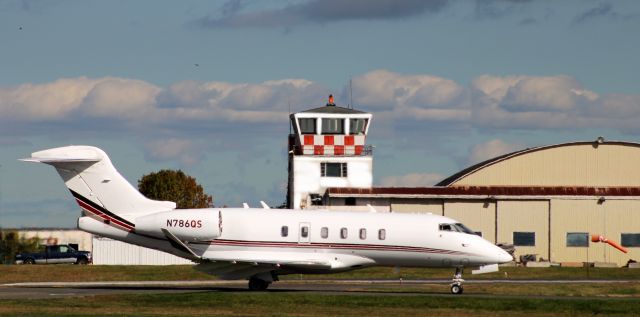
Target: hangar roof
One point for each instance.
(587, 163)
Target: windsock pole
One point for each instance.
(599, 238)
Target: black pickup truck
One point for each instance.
(54, 254)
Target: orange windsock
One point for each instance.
(599, 238)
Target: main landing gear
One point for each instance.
(456, 283)
(256, 284)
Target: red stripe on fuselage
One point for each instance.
(102, 215)
(315, 245)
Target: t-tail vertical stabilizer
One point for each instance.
(97, 186)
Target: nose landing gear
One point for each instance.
(456, 283)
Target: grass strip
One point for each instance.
(286, 304)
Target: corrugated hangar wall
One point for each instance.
(112, 252)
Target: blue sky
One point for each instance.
(205, 86)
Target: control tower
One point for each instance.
(327, 149)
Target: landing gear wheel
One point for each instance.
(456, 283)
(29, 261)
(256, 284)
(456, 289)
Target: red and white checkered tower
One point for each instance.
(327, 149)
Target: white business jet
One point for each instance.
(259, 244)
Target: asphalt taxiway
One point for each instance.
(339, 287)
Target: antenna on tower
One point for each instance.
(350, 93)
(289, 116)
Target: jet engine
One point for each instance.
(186, 225)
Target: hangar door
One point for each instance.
(525, 223)
(479, 215)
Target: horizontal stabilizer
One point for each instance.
(58, 160)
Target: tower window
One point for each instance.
(333, 169)
(307, 125)
(357, 126)
(332, 126)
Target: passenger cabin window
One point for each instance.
(363, 234)
(307, 125)
(357, 126)
(284, 231)
(382, 234)
(304, 231)
(455, 227)
(332, 126)
(343, 233)
(324, 232)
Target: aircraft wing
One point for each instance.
(244, 264)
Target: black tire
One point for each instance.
(256, 284)
(456, 289)
(82, 261)
(28, 261)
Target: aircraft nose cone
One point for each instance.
(503, 256)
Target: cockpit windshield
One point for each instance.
(456, 227)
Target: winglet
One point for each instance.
(245, 205)
(371, 209)
(264, 205)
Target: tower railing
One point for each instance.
(332, 150)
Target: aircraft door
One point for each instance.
(304, 232)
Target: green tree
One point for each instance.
(11, 243)
(175, 186)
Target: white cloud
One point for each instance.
(490, 149)
(32, 102)
(120, 98)
(412, 180)
(553, 102)
(508, 102)
(419, 97)
(174, 149)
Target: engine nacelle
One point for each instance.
(186, 225)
